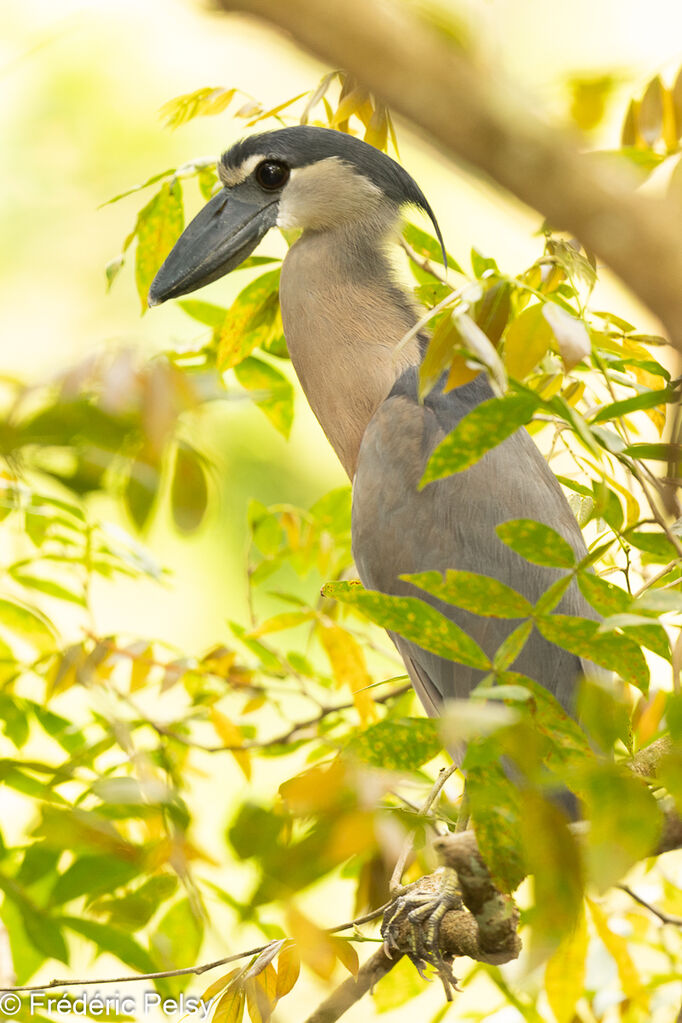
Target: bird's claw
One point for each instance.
(423, 909)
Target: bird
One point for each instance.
(345, 315)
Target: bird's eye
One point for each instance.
(271, 175)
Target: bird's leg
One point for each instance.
(422, 907)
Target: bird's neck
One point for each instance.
(343, 318)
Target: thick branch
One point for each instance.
(434, 84)
(353, 989)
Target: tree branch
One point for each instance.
(353, 989)
(431, 81)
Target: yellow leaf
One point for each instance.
(288, 969)
(278, 622)
(232, 736)
(230, 1008)
(460, 373)
(347, 955)
(260, 994)
(316, 789)
(255, 703)
(617, 946)
(349, 667)
(315, 946)
(377, 129)
(565, 972)
(349, 105)
(526, 341)
(253, 319)
(141, 665)
(218, 985)
(219, 660)
(352, 835)
(650, 718)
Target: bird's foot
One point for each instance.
(411, 924)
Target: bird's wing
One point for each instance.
(451, 523)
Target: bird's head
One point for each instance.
(300, 177)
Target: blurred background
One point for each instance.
(82, 82)
(81, 85)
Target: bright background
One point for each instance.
(80, 88)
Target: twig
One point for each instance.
(422, 261)
(278, 740)
(143, 976)
(440, 781)
(184, 971)
(367, 918)
(666, 918)
(658, 575)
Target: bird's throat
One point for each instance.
(343, 320)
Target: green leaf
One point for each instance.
(570, 745)
(47, 586)
(397, 745)
(158, 227)
(537, 543)
(115, 941)
(414, 620)
(45, 934)
(481, 264)
(655, 452)
(112, 269)
(177, 940)
(625, 821)
(552, 596)
(480, 594)
(646, 400)
(496, 814)
(553, 857)
(251, 320)
(653, 637)
(397, 987)
(605, 597)
(509, 650)
(426, 245)
(204, 102)
(137, 188)
(141, 490)
(189, 492)
(479, 431)
(655, 544)
(277, 394)
(604, 715)
(581, 636)
(28, 624)
(91, 876)
(204, 312)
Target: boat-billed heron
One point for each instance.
(344, 315)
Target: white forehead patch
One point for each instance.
(231, 176)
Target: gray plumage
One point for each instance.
(344, 315)
(451, 524)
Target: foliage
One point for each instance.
(122, 723)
